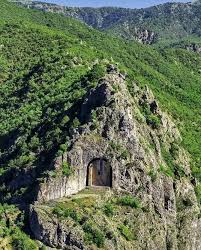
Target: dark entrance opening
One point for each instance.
(99, 173)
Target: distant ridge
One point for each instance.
(165, 22)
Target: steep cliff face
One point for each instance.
(131, 32)
(142, 146)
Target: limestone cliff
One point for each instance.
(142, 145)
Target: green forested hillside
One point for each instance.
(169, 21)
(46, 67)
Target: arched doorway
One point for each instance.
(99, 173)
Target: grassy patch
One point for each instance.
(129, 201)
(125, 232)
(64, 213)
(109, 209)
(166, 170)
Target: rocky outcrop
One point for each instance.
(54, 233)
(61, 186)
(194, 48)
(132, 32)
(145, 36)
(142, 145)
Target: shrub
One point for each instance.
(72, 214)
(174, 148)
(75, 123)
(21, 241)
(58, 211)
(129, 201)
(94, 119)
(61, 212)
(125, 154)
(65, 120)
(34, 143)
(124, 230)
(154, 121)
(97, 72)
(93, 235)
(168, 159)
(66, 169)
(115, 146)
(179, 171)
(109, 209)
(63, 147)
(167, 171)
(116, 88)
(62, 150)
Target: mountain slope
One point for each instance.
(167, 72)
(49, 65)
(156, 24)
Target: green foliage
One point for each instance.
(167, 171)
(169, 159)
(129, 201)
(65, 120)
(179, 171)
(64, 213)
(43, 248)
(11, 223)
(117, 147)
(94, 119)
(66, 169)
(123, 152)
(116, 88)
(152, 119)
(34, 143)
(75, 123)
(94, 235)
(125, 231)
(22, 242)
(109, 209)
(174, 150)
(198, 192)
(97, 72)
(62, 149)
(196, 172)
(170, 156)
